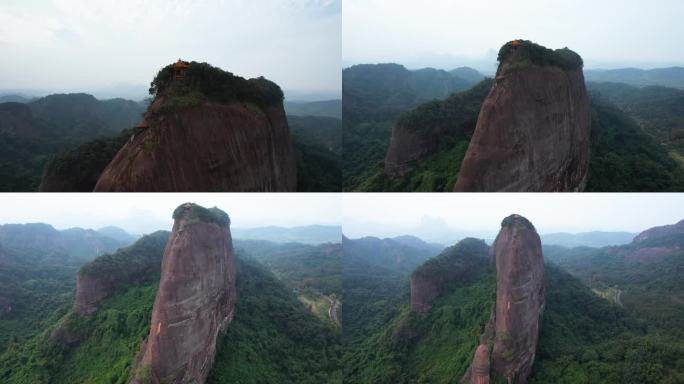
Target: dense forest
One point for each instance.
(33, 132)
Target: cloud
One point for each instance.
(91, 44)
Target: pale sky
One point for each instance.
(84, 45)
(451, 33)
(437, 216)
(140, 213)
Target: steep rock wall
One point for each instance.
(194, 302)
(211, 147)
(509, 342)
(532, 133)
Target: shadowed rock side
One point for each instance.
(532, 133)
(212, 147)
(519, 304)
(207, 131)
(456, 266)
(194, 302)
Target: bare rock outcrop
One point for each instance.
(201, 136)
(533, 130)
(194, 302)
(513, 329)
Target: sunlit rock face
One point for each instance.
(195, 300)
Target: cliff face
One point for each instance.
(533, 130)
(455, 266)
(424, 291)
(514, 328)
(212, 147)
(194, 302)
(90, 291)
(519, 298)
(208, 130)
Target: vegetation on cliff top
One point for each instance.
(467, 256)
(517, 219)
(141, 259)
(528, 53)
(203, 81)
(199, 213)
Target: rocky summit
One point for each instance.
(194, 302)
(533, 131)
(206, 130)
(508, 345)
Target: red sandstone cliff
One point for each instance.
(532, 133)
(207, 131)
(212, 147)
(194, 302)
(514, 326)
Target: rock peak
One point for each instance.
(191, 212)
(195, 299)
(513, 330)
(516, 220)
(533, 130)
(517, 54)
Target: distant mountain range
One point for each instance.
(667, 77)
(377, 92)
(595, 239)
(309, 234)
(40, 243)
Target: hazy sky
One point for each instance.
(435, 216)
(76, 45)
(143, 212)
(450, 33)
